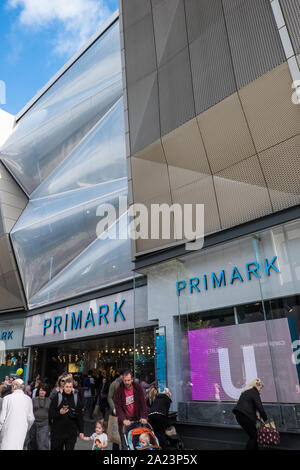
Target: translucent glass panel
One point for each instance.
(101, 264)
(68, 152)
(53, 231)
(63, 116)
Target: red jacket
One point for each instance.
(140, 407)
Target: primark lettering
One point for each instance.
(251, 271)
(75, 321)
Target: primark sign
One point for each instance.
(236, 276)
(105, 315)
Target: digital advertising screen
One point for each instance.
(224, 360)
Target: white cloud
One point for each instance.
(77, 19)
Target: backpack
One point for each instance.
(60, 398)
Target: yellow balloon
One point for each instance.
(20, 371)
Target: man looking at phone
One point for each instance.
(65, 416)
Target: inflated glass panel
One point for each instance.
(53, 231)
(99, 157)
(64, 115)
(254, 39)
(103, 263)
(100, 62)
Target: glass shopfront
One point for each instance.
(13, 355)
(231, 313)
(105, 356)
(104, 335)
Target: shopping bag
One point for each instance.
(267, 434)
(113, 430)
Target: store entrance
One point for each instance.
(104, 356)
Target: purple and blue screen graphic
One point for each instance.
(224, 360)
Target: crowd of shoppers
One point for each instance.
(42, 419)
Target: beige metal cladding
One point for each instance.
(269, 109)
(13, 201)
(226, 134)
(241, 158)
(12, 198)
(242, 193)
(281, 167)
(185, 140)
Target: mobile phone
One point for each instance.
(65, 406)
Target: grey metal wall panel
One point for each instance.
(201, 15)
(291, 12)
(134, 10)
(254, 39)
(176, 92)
(169, 29)
(212, 71)
(143, 112)
(139, 50)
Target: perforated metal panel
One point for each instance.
(170, 29)
(254, 39)
(143, 112)
(154, 244)
(269, 109)
(241, 193)
(150, 176)
(185, 154)
(201, 16)
(225, 134)
(200, 192)
(134, 10)
(281, 167)
(176, 92)
(213, 77)
(139, 50)
(291, 12)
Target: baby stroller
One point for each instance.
(173, 439)
(135, 431)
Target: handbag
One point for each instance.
(267, 434)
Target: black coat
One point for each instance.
(250, 402)
(68, 425)
(161, 404)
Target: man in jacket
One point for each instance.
(130, 404)
(65, 416)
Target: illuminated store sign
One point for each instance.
(74, 321)
(104, 315)
(223, 278)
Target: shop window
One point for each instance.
(223, 350)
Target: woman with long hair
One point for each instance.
(246, 410)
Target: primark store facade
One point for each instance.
(171, 102)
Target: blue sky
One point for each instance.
(38, 36)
